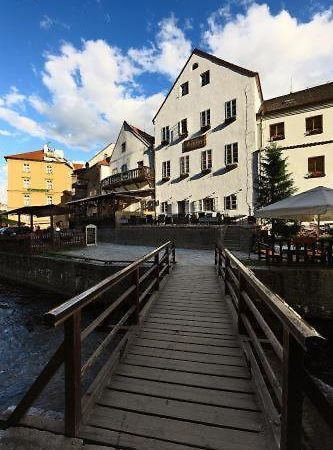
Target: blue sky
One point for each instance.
(72, 71)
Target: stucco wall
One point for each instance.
(225, 85)
(294, 125)
(58, 275)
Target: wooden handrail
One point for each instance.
(57, 315)
(133, 301)
(301, 330)
(280, 391)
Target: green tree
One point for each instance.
(274, 182)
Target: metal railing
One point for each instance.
(137, 282)
(130, 176)
(279, 346)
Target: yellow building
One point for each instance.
(37, 178)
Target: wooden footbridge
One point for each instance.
(189, 365)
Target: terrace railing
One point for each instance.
(121, 314)
(140, 174)
(280, 347)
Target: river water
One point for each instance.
(27, 342)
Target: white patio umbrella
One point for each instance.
(316, 202)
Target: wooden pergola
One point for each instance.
(39, 211)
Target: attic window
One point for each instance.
(195, 66)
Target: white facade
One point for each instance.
(190, 184)
(309, 156)
(129, 150)
(106, 152)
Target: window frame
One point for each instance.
(314, 130)
(165, 135)
(26, 167)
(184, 89)
(26, 199)
(205, 119)
(123, 147)
(320, 172)
(49, 169)
(182, 130)
(184, 165)
(231, 154)
(166, 170)
(230, 202)
(230, 109)
(48, 197)
(279, 134)
(26, 183)
(205, 78)
(49, 185)
(206, 160)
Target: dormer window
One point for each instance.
(205, 78)
(184, 88)
(276, 131)
(123, 147)
(230, 110)
(314, 125)
(195, 66)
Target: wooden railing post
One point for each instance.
(241, 305)
(136, 295)
(173, 253)
(72, 328)
(215, 255)
(292, 396)
(157, 263)
(168, 259)
(226, 272)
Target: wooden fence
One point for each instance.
(279, 345)
(43, 241)
(139, 280)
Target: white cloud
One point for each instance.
(93, 88)
(169, 53)
(5, 133)
(278, 46)
(47, 22)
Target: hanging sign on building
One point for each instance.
(91, 235)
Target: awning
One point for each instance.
(127, 195)
(40, 210)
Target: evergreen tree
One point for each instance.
(274, 182)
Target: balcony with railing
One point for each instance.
(135, 176)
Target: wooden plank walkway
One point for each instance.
(183, 383)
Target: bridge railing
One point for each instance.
(279, 346)
(136, 282)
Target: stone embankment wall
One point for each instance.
(187, 236)
(66, 277)
(306, 289)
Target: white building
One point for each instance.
(301, 124)
(205, 135)
(131, 169)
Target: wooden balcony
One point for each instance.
(135, 176)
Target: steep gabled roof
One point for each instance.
(142, 135)
(311, 96)
(37, 155)
(220, 62)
